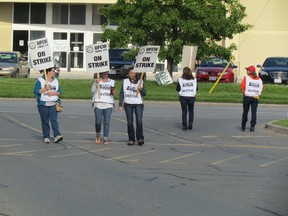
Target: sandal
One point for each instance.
(97, 140)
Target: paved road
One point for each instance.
(215, 169)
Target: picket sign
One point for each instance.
(163, 77)
(97, 60)
(40, 55)
(146, 61)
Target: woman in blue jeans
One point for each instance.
(47, 93)
(103, 102)
(187, 87)
(131, 98)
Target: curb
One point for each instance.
(276, 128)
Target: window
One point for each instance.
(77, 14)
(99, 19)
(60, 46)
(38, 13)
(96, 15)
(34, 35)
(60, 13)
(76, 42)
(74, 14)
(21, 12)
(76, 48)
(60, 36)
(96, 37)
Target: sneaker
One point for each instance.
(47, 140)
(58, 139)
(130, 143)
(140, 142)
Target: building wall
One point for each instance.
(5, 26)
(267, 37)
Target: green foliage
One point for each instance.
(173, 24)
(81, 89)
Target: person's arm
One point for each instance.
(38, 90)
(121, 98)
(178, 87)
(94, 87)
(37, 87)
(59, 91)
(243, 86)
(143, 90)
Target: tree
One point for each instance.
(173, 24)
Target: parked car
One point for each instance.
(13, 64)
(210, 69)
(118, 64)
(274, 70)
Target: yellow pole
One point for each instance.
(217, 81)
(140, 83)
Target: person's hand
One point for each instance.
(51, 93)
(47, 87)
(121, 109)
(97, 80)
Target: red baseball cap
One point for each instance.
(251, 68)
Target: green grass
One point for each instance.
(80, 89)
(283, 123)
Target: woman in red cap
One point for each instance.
(251, 88)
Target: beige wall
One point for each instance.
(267, 37)
(5, 26)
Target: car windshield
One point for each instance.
(8, 57)
(117, 55)
(215, 62)
(276, 62)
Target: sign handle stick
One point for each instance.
(98, 85)
(140, 83)
(217, 81)
(46, 78)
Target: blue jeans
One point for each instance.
(138, 108)
(106, 115)
(247, 103)
(49, 114)
(187, 106)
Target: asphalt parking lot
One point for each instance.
(215, 169)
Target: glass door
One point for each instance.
(76, 49)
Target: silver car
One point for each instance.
(13, 64)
